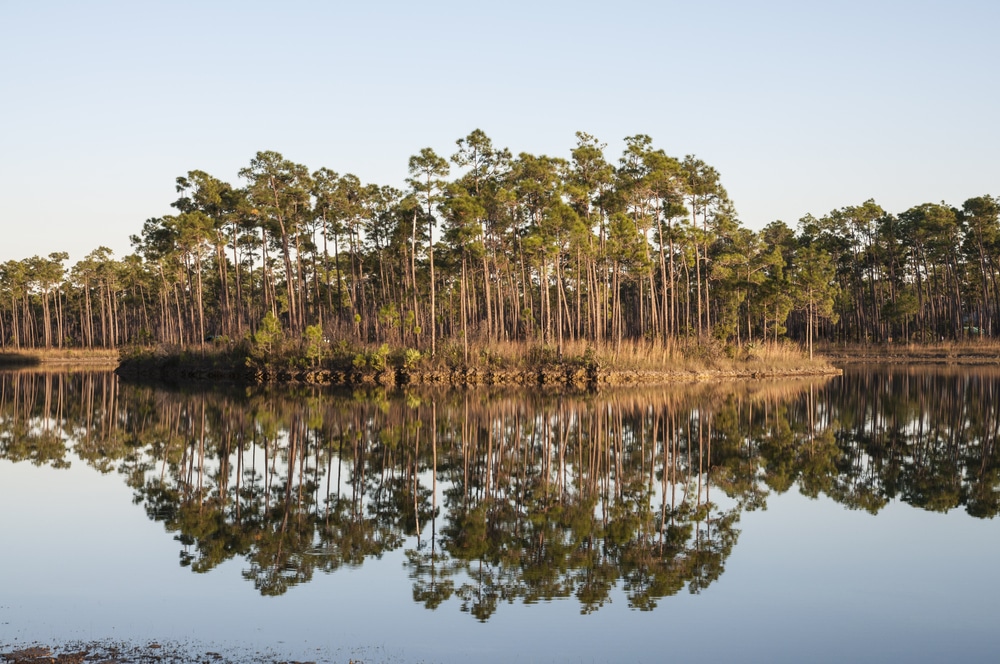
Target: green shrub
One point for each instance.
(314, 343)
(375, 360)
(542, 355)
(268, 333)
(452, 354)
(410, 358)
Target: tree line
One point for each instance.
(490, 247)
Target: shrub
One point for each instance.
(375, 360)
(268, 333)
(451, 354)
(410, 358)
(491, 359)
(542, 355)
(314, 343)
(706, 350)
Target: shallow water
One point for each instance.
(840, 520)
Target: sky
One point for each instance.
(802, 107)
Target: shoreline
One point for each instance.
(136, 651)
(982, 354)
(199, 365)
(567, 375)
(22, 358)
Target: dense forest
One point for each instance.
(487, 247)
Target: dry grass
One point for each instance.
(37, 356)
(629, 362)
(671, 355)
(978, 351)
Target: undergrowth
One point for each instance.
(350, 355)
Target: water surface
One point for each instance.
(847, 519)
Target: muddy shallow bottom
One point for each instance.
(119, 652)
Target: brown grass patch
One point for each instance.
(979, 351)
(686, 356)
(37, 356)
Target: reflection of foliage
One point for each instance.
(428, 589)
(41, 448)
(526, 497)
(347, 538)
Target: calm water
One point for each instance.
(842, 520)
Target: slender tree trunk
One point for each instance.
(465, 332)
(201, 302)
(430, 258)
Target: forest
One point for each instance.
(487, 247)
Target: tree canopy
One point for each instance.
(491, 247)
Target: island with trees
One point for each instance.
(495, 266)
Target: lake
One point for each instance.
(842, 519)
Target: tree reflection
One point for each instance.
(498, 497)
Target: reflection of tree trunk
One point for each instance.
(416, 484)
(434, 456)
(525, 465)
(201, 456)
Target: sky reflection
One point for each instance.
(808, 579)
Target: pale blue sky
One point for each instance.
(803, 107)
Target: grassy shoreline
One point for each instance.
(502, 364)
(518, 364)
(32, 357)
(980, 352)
